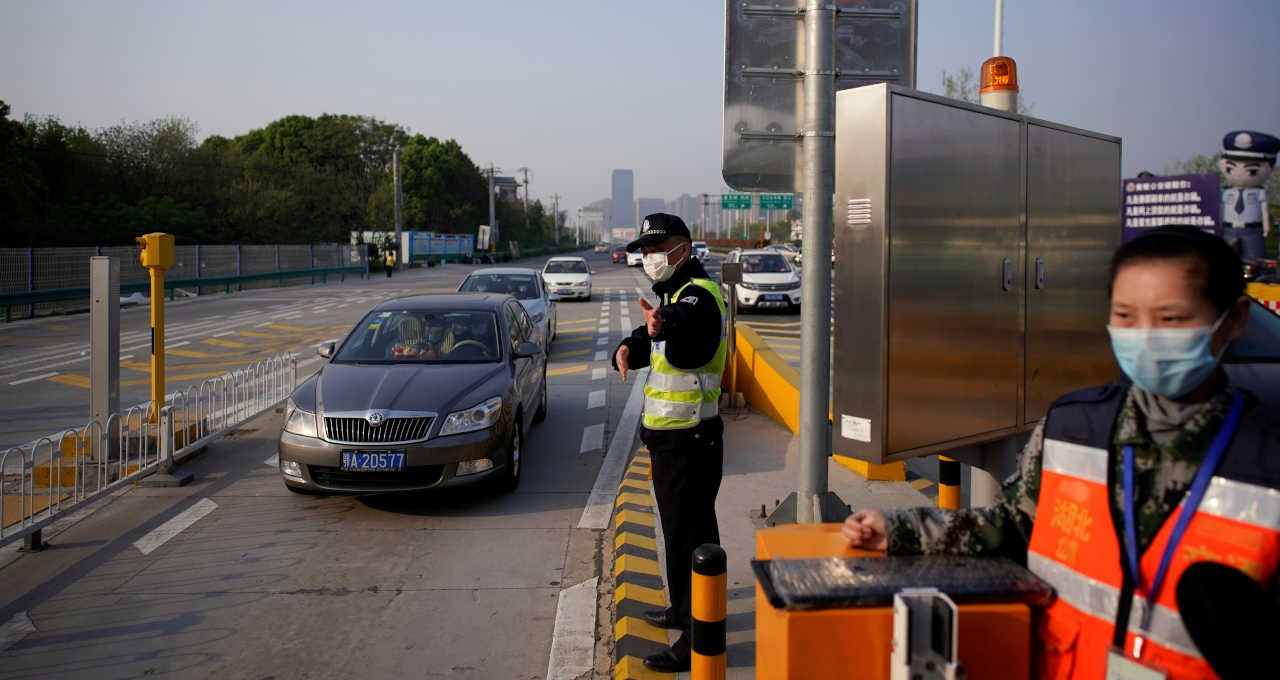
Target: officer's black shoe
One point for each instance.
(672, 659)
(662, 618)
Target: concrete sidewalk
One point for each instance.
(760, 467)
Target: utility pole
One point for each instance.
(395, 168)
(526, 196)
(493, 224)
(704, 216)
(818, 150)
(555, 217)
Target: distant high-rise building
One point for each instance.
(689, 208)
(623, 208)
(649, 206)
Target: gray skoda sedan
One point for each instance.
(425, 392)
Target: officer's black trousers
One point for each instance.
(686, 478)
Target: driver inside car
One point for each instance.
(410, 343)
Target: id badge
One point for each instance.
(1120, 666)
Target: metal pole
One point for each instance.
(395, 168)
(493, 222)
(997, 47)
(104, 354)
(815, 310)
(31, 279)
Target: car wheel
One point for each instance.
(541, 414)
(511, 478)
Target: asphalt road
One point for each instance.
(234, 576)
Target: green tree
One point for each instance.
(442, 190)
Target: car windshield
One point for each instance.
(565, 267)
(522, 286)
(771, 263)
(412, 336)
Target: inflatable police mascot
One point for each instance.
(1248, 158)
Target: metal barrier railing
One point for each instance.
(34, 486)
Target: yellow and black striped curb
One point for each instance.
(636, 573)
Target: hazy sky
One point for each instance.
(574, 88)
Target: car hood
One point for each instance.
(403, 387)
(566, 278)
(778, 277)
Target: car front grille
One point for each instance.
(359, 431)
(776, 286)
(421, 475)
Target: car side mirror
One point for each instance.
(553, 297)
(528, 349)
(326, 349)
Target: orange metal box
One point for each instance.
(855, 642)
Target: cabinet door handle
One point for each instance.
(1039, 272)
(1007, 266)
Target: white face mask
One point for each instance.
(657, 267)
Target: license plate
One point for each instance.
(372, 460)
(564, 291)
(775, 298)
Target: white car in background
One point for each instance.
(701, 251)
(768, 280)
(568, 277)
(635, 259)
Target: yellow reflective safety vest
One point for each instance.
(678, 399)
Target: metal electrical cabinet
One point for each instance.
(972, 248)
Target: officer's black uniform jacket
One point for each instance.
(691, 331)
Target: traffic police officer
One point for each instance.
(684, 345)
(1248, 158)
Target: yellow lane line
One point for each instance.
(71, 379)
(282, 327)
(783, 344)
(578, 332)
(574, 353)
(567, 369)
(575, 322)
(788, 324)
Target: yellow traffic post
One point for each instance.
(948, 483)
(157, 256)
(709, 595)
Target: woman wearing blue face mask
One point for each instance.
(1123, 487)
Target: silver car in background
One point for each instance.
(525, 285)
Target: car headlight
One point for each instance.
(477, 417)
(298, 421)
(749, 286)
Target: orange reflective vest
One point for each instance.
(1074, 547)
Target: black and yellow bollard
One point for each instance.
(948, 483)
(709, 594)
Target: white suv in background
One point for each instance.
(768, 280)
(568, 277)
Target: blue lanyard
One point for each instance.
(1192, 501)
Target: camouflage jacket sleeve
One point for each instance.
(1003, 529)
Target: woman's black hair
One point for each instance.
(1224, 275)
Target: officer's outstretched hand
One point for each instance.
(652, 320)
(621, 360)
(865, 529)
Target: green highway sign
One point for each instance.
(775, 201)
(735, 201)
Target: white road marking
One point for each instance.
(177, 344)
(20, 626)
(605, 491)
(596, 398)
(273, 461)
(592, 438)
(223, 334)
(602, 341)
(161, 534)
(34, 378)
(601, 355)
(597, 374)
(573, 640)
